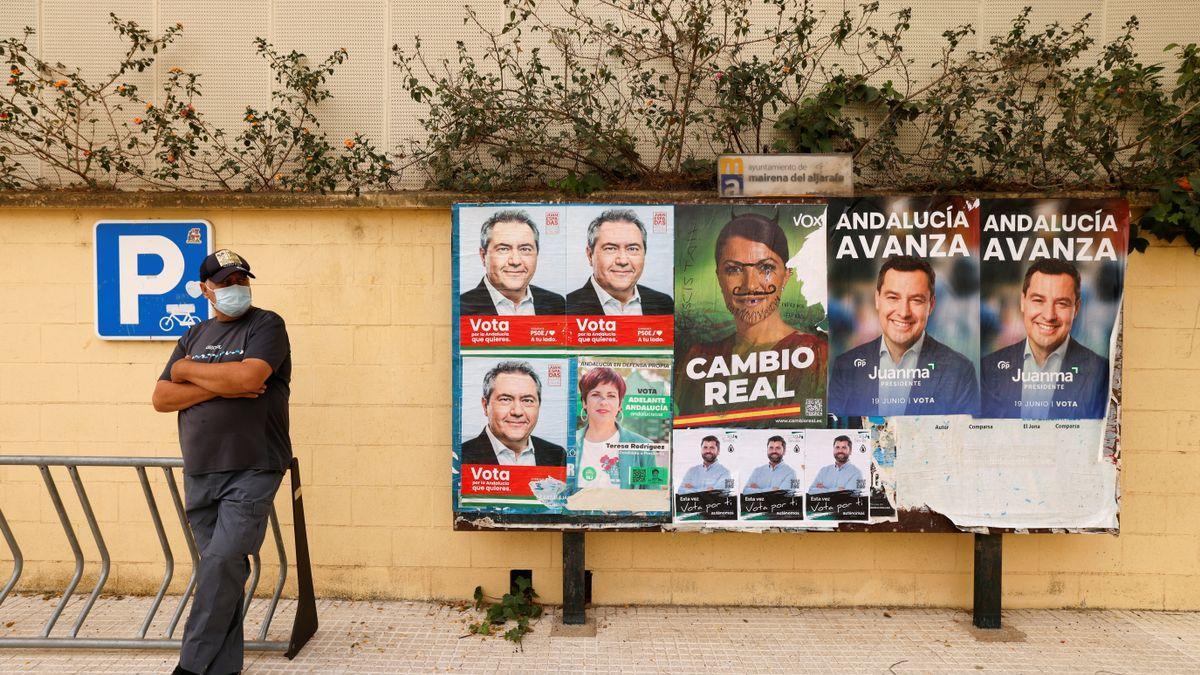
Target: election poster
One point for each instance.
(771, 463)
(509, 285)
(751, 348)
(619, 458)
(512, 434)
(618, 271)
(1052, 281)
(767, 478)
(840, 473)
(706, 484)
(903, 306)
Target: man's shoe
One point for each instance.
(180, 670)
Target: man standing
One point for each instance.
(512, 400)
(616, 250)
(841, 476)
(709, 475)
(904, 371)
(508, 249)
(774, 475)
(229, 380)
(1048, 375)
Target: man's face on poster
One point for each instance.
(904, 303)
(618, 256)
(1049, 307)
(512, 410)
(752, 279)
(708, 451)
(841, 452)
(511, 256)
(775, 452)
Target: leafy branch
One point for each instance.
(519, 607)
(108, 133)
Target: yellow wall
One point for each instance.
(365, 293)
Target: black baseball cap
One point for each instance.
(220, 264)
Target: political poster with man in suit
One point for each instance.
(903, 302)
(508, 275)
(1053, 278)
(619, 267)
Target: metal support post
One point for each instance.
(987, 580)
(573, 579)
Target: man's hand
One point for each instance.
(176, 375)
(820, 485)
(753, 485)
(248, 394)
(175, 396)
(232, 378)
(688, 485)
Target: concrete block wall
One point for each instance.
(366, 296)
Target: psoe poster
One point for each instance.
(508, 275)
(618, 267)
(510, 443)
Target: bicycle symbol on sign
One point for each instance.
(183, 314)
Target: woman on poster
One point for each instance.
(604, 457)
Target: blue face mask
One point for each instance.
(232, 300)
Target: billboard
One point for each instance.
(852, 364)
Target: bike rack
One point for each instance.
(303, 626)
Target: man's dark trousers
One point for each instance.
(228, 513)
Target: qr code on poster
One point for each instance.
(814, 407)
(637, 476)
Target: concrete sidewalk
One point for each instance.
(394, 637)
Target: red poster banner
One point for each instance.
(506, 481)
(510, 331)
(621, 331)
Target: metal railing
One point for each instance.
(303, 626)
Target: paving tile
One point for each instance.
(424, 637)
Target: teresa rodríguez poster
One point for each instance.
(1052, 283)
(750, 342)
(904, 306)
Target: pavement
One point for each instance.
(427, 637)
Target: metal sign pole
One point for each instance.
(988, 556)
(573, 579)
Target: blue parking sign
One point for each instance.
(148, 277)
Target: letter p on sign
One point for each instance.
(147, 278)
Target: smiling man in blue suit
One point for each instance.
(1048, 375)
(904, 371)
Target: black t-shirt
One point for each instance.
(230, 434)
